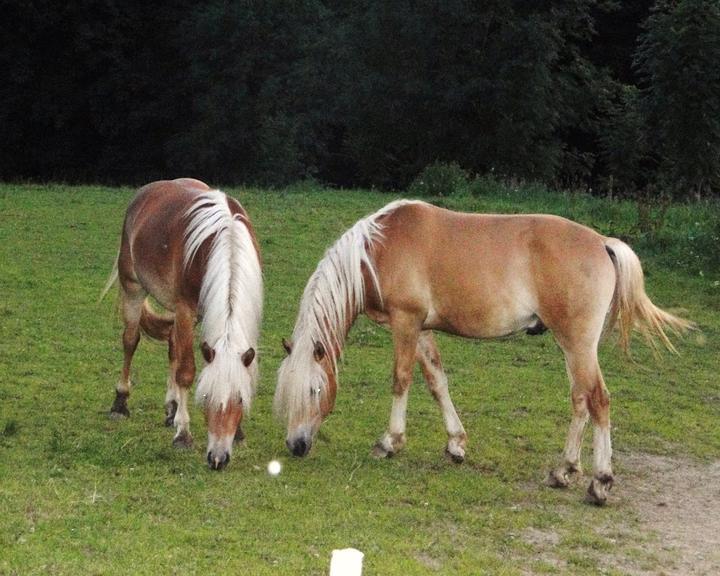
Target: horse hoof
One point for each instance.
(170, 410)
(119, 408)
(597, 492)
(119, 413)
(379, 451)
(457, 457)
(183, 440)
(558, 479)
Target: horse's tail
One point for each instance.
(112, 278)
(631, 309)
(155, 325)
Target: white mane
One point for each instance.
(333, 297)
(230, 302)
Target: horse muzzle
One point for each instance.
(217, 460)
(299, 446)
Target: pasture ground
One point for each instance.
(81, 494)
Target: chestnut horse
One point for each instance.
(194, 250)
(417, 268)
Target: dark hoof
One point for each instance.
(239, 436)
(598, 490)
(557, 479)
(379, 451)
(183, 440)
(170, 410)
(563, 476)
(119, 414)
(457, 458)
(119, 408)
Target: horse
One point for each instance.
(415, 268)
(194, 250)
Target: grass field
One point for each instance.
(81, 494)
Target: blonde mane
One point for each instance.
(230, 301)
(333, 297)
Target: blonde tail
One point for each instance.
(631, 308)
(156, 326)
(112, 278)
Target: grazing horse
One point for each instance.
(417, 268)
(193, 249)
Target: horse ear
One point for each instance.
(319, 351)
(287, 345)
(207, 352)
(248, 357)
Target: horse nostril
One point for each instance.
(217, 463)
(300, 447)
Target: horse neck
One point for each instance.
(229, 312)
(230, 298)
(336, 350)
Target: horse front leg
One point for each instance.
(405, 331)
(171, 396)
(428, 357)
(184, 373)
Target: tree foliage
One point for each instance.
(678, 59)
(362, 92)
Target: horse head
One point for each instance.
(307, 385)
(224, 413)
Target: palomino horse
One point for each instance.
(416, 268)
(194, 250)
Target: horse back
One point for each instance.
(152, 246)
(487, 275)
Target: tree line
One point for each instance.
(618, 97)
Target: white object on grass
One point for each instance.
(274, 467)
(346, 562)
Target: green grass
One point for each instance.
(80, 494)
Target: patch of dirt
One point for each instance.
(677, 501)
(541, 538)
(428, 561)
(669, 521)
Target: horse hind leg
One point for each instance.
(603, 479)
(561, 476)
(428, 357)
(132, 297)
(590, 398)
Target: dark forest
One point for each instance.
(613, 97)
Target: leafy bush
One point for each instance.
(440, 179)
(704, 243)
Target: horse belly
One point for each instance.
(159, 288)
(490, 317)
